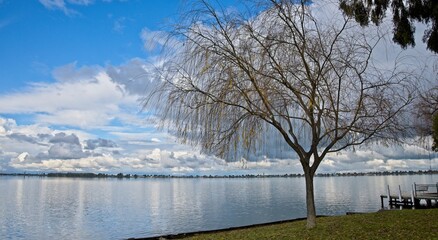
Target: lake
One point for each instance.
(78, 208)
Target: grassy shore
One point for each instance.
(406, 224)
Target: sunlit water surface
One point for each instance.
(57, 208)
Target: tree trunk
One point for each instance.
(310, 200)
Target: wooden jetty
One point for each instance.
(427, 193)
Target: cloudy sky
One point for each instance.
(72, 74)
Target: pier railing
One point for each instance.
(421, 189)
(419, 193)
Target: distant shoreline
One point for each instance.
(135, 176)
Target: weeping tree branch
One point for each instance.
(283, 69)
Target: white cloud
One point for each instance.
(70, 72)
(152, 39)
(375, 162)
(57, 5)
(39, 148)
(86, 102)
(62, 5)
(6, 125)
(89, 101)
(119, 24)
(81, 2)
(80, 118)
(135, 76)
(52, 150)
(101, 163)
(380, 157)
(51, 4)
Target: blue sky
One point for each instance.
(40, 36)
(72, 73)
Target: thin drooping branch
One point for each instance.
(232, 79)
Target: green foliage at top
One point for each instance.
(404, 13)
(406, 224)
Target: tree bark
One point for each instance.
(310, 200)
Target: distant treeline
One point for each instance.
(121, 175)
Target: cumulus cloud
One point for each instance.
(135, 75)
(39, 148)
(104, 100)
(88, 99)
(380, 157)
(15, 139)
(62, 151)
(22, 137)
(71, 72)
(151, 161)
(6, 125)
(24, 144)
(65, 138)
(64, 146)
(99, 143)
(101, 164)
(48, 98)
(65, 151)
(66, 154)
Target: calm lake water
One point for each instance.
(53, 208)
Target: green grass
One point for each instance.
(406, 224)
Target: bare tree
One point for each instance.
(429, 101)
(232, 78)
(427, 116)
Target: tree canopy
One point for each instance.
(404, 13)
(290, 68)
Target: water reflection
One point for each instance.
(47, 208)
